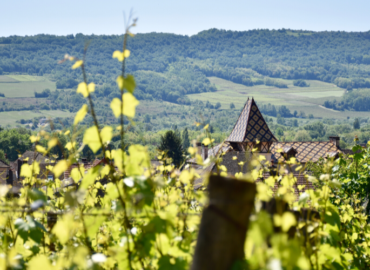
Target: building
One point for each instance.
(6, 175)
(29, 157)
(252, 132)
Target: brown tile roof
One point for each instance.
(96, 162)
(300, 185)
(3, 164)
(32, 156)
(251, 126)
(347, 151)
(306, 151)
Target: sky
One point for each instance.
(25, 17)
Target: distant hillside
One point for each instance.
(169, 66)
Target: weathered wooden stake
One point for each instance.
(224, 224)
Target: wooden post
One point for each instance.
(224, 224)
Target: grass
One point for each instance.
(10, 117)
(25, 87)
(306, 99)
(322, 94)
(27, 78)
(7, 79)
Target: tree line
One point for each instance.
(169, 66)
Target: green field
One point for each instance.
(24, 85)
(7, 79)
(324, 94)
(10, 117)
(27, 78)
(306, 99)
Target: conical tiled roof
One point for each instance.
(251, 126)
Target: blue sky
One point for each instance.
(30, 17)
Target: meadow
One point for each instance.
(21, 86)
(306, 99)
(9, 118)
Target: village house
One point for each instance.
(6, 175)
(252, 132)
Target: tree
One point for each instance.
(300, 83)
(14, 142)
(2, 156)
(302, 136)
(171, 144)
(310, 116)
(280, 120)
(295, 123)
(147, 118)
(279, 132)
(218, 105)
(295, 113)
(284, 111)
(356, 124)
(185, 139)
(232, 106)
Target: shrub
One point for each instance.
(43, 94)
(300, 83)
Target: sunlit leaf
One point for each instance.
(63, 228)
(40, 262)
(77, 64)
(91, 138)
(206, 141)
(129, 105)
(52, 142)
(26, 170)
(84, 89)
(60, 167)
(106, 134)
(119, 55)
(80, 115)
(40, 149)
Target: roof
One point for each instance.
(32, 156)
(3, 164)
(251, 126)
(288, 148)
(306, 151)
(212, 152)
(232, 164)
(347, 151)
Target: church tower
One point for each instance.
(251, 131)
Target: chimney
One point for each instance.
(334, 140)
(205, 152)
(199, 148)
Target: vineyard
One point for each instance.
(126, 214)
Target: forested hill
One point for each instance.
(169, 66)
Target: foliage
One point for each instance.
(171, 144)
(14, 142)
(278, 84)
(185, 139)
(300, 83)
(43, 94)
(168, 66)
(356, 124)
(125, 214)
(3, 156)
(302, 136)
(357, 100)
